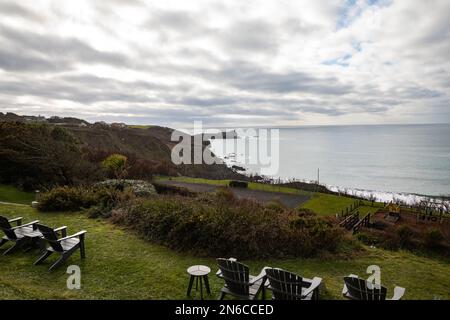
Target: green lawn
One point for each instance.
(251, 185)
(119, 265)
(321, 203)
(11, 194)
(328, 204)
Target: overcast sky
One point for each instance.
(227, 63)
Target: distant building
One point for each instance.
(119, 125)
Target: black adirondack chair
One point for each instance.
(22, 234)
(286, 285)
(64, 246)
(360, 289)
(238, 282)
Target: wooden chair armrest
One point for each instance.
(260, 276)
(78, 234)
(316, 281)
(398, 293)
(345, 289)
(32, 223)
(18, 220)
(63, 230)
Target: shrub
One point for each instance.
(405, 236)
(379, 225)
(78, 198)
(36, 155)
(216, 225)
(275, 205)
(433, 238)
(368, 238)
(238, 184)
(225, 194)
(174, 190)
(140, 188)
(66, 199)
(116, 165)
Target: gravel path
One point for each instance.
(289, 200)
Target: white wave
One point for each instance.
(380, 196)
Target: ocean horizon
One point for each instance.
(404, 161)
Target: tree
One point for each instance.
(35, 155)
(116, 164)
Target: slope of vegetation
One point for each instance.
(321, 203)
(44, 154)
(119, 265)
(225, 182)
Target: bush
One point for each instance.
(79, 198)
(368, 238)
(216, 225)
(238, 184)
(66, 199)
(36, 156)
(174, 190)
(116, 165)
(275, 205)
(140, 188)
(379, 225)
(433, 238)
(405, 236)
(225, 194)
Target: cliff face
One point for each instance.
(151, 144)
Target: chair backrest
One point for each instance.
(51, 237)
(285, 285)
(236, 276)
(7, 228)
(362, 290)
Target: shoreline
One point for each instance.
(380, 195)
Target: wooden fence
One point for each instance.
(364, 222)
(350, 221)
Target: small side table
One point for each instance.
(198, 273)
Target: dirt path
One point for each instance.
(289, 200)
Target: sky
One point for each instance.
(227, 63)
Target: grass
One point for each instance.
(119, 265)
(328, 204)
(321, 203)
(11, 194)
(139, 126)
(225, 182)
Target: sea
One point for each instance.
(404, 162)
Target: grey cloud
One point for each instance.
(85, 89)
(27, 62)
(176, 26)
(417, 93)
(252, 36)
(198, 101)
(180, 21)
(216, 73)
(296, 26)
(14, 9)
(180, 114)
(69, 50)
(245, 76)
